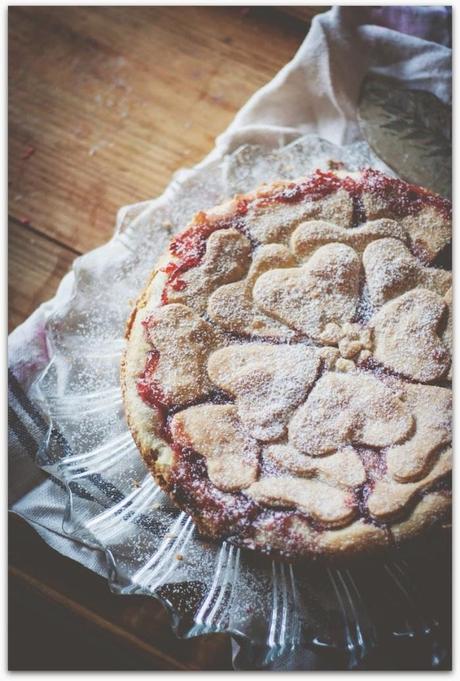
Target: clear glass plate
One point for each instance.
(285, 615)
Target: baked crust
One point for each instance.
(221, 327)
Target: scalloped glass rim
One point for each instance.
(273, 607)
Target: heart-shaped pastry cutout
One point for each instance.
(275, 221)
(391, 270)
(406, 336)
(349, 409)
(389, 498)
(181, 343)
(216, 432)
(430, 231)
(326, 504)
(431, 407)
(268, 382)
(307, 298)
(231, 306)
(309, 236)
(344, 468)
(227, 258)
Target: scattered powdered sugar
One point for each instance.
(267, 382)
(406, 336)
(245, 291)
(145, 533)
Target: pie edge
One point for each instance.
(430, 511)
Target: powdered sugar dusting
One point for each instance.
(339, 306)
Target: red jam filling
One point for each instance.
(148, 388)
(235, 513)
(402, 199)
(189, 247)
(191, 487)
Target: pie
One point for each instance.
(287, 374)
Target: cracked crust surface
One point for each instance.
(286, 376)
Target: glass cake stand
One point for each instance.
(305, 615)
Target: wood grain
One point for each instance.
(113, 101)
(105, 104)
(36, 265)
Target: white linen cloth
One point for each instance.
(316, 92)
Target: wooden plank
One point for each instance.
(36, 265)
(105, 103)
(303, 13)
(133, 633)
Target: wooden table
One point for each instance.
(105, 103)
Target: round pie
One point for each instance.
(287, 376)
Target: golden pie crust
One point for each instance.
(288, 365)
